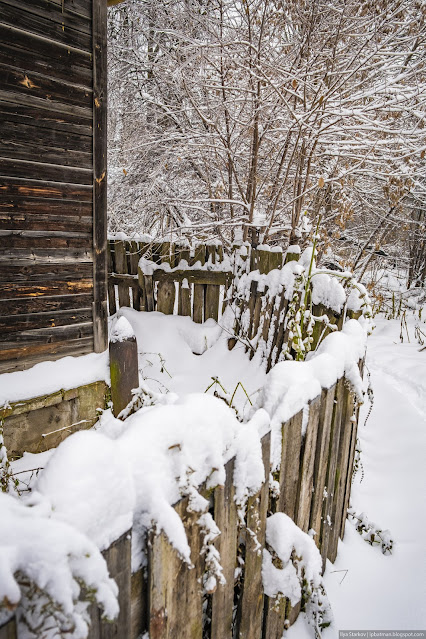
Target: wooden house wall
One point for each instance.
(52, 179)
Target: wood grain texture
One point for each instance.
(307, 462)
(99, 106)
(250, 623)
(327, 522)
(290, 464)
(44, 26)
(225, 516)
(175, 590)
(320, 467)
(8, 630)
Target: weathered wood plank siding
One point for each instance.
(52, 180)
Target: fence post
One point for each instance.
(123, 361)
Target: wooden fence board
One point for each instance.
(225, 516)
(121, 267)
(139, 603)
(199, 289)
(250, 623)
(175, 590)
(327, 522)
(307, 461)
(320, 467)
(341, 469)
(290, 463)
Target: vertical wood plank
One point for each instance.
(175, 590)
(290, 464)
(133, 270)
(139, 603)
(327, 522)
(111, 289)
(307, 462)
(251, 614)
(277, 325)
(341, 468)
(185, 299)
(121, 267)
(166, 293)
(225, 515)
(119, 561)
(320, 467)
(351, 460)
(212, 292)
(198, 313)
(100, 274)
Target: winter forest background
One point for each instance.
(224, 112)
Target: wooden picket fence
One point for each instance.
(166, 597)
(199, 284)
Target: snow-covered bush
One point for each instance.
(370, 532)
(49, 574)
(292, 568)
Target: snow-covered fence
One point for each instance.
(175, 279)
(307, 457)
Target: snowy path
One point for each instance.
(386, 592)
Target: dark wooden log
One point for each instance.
(30, 321)
(37, 288)
(45, 304)
(53, 13)
(123, 362)
(52, 59)
(10, 187)
(99, 106)
(32, 271)
(26, 354)
(45, 27)
(44, 172)
(45, 115)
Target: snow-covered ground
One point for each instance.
(367, 590)
(178, 358)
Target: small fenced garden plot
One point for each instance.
(208, 482)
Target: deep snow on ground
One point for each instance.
(176, 355)
(367, 590)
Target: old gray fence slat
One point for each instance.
(175, 590)
(320, 466)
(9, 631)
(251, 603)
(225, 516)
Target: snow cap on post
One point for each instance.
(123, 362)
